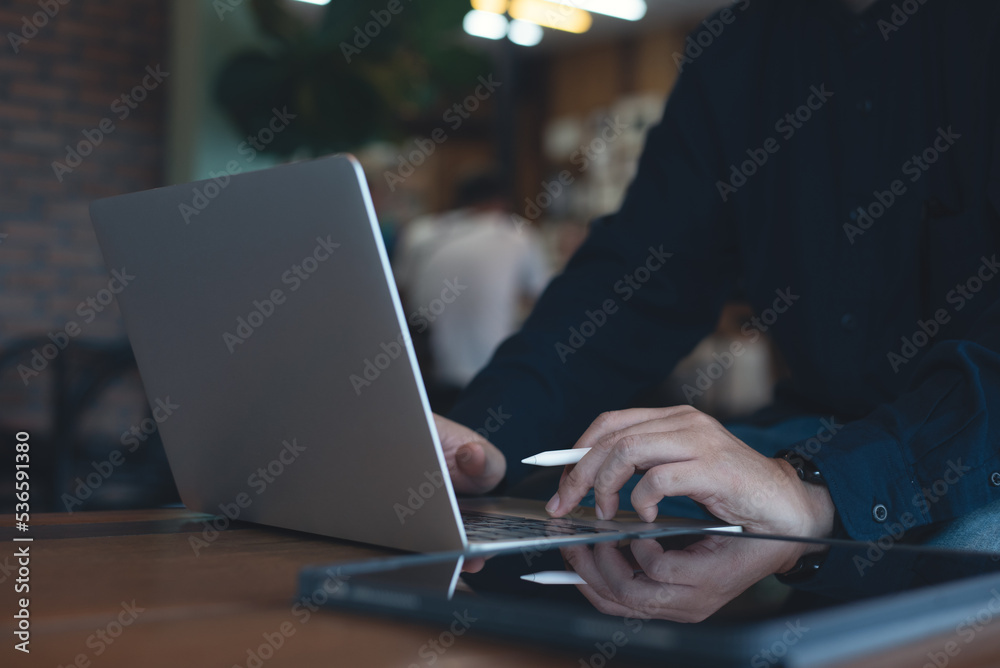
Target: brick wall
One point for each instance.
(65, 66)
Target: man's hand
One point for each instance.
(687, 453)
(681, 585)
(476, 465)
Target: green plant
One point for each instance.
(348, 86)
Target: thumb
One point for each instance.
(471, 459)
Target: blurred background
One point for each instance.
(491, 133)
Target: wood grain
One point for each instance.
(218, 604)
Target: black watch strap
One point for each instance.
(804, 467)
(807, 566)
(804, 568)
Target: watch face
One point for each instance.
(805, 469)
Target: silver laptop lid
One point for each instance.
(263, 308)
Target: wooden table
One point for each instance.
(91, 572)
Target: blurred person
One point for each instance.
(838, 163)
(468, 276)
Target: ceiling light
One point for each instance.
(551, 15)
(524, 33)
(485, 24)
(492, 6)
(630, 10)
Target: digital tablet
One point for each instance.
(698, 600)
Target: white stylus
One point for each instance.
(555, 578)
(556, 457)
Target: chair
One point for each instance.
(74, 392)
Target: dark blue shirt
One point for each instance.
(842, 174)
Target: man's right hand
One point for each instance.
(476, 465)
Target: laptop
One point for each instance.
(262, 309)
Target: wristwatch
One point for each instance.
(804, 568)
(804, 467)
(807, 566)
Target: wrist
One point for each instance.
(813, 505)
(823, 512)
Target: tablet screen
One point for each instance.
(694, 597)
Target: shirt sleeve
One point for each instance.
(930, 456)
(643, 289)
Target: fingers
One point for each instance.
(647, 553)
(479, 467)
(696, 565)
(495, 468)
(613, 565)
(637, 590)
(617, 420)
(711, 572)
(614, 588)
(482, 466)
(453, 434)
(473, 565)
(634, 452)
(605, 605)
(470, 459)
(682, 478)
(581, 559)
(581, 477)
(574, 484)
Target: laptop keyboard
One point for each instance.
(481, 527)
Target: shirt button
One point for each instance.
(995, 479)
(880, 512)
(849, 322)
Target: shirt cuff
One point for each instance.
(870, 481)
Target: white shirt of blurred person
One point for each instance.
(468, 277)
